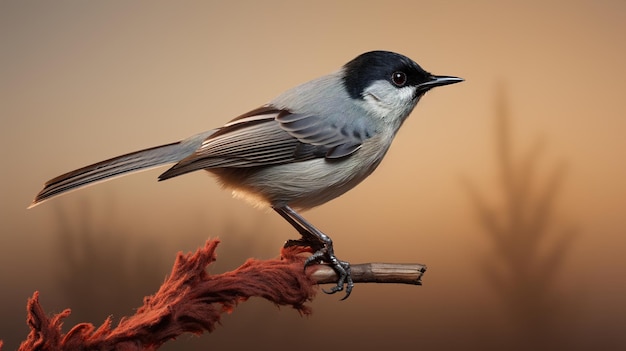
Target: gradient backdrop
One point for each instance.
(511, 186)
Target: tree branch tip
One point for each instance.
(375, 272)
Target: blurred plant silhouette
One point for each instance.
(528, 248)
(99, 262)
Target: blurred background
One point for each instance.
(511, 186)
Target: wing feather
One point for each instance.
(268, 136)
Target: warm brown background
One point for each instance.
(81, 81)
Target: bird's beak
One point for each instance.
(437, 81)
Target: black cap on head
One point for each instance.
(381, 65)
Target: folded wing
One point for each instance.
(269, 136)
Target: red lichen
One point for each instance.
(189, 301)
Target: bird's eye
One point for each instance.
(398, 78)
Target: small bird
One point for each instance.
(309, 145)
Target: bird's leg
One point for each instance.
(307, 239)
(323, 246)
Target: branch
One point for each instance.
(398, 273)
(191, 301)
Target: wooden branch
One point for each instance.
(191, 301)
(397, 273)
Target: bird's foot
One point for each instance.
(321, 246)
(342, 268)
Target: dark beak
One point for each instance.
(437, 81)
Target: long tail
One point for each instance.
(118, 166)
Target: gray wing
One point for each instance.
(338, 135)
(268, 136)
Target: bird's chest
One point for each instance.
(325, 179)
(305, 184)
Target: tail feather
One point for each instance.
(118, 166)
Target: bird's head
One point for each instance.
(389, 85)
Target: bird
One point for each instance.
(307, 146)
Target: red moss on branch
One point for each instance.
(189, 301)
